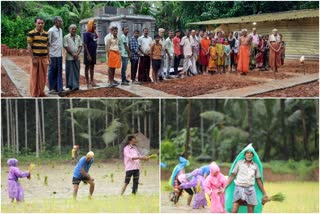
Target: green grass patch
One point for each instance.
(300, 197)
(111, 204)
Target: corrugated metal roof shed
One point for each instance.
(287, 15)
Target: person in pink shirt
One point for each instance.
(214, 187)
(177, 51)
(132, 159)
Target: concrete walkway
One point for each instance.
(265, 87)
(20, 79)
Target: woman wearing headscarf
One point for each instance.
(15, 190)
(214, 185)
(174, 182)
(274, 55)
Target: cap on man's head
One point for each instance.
(275, 30)
(90, 154)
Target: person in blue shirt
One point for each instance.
(80, 173)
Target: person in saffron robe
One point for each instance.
(244, 189)
(204, 51)
(244, 52)
(274, 54)
(214, 186)
(15, 190)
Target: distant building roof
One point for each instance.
(287, 15)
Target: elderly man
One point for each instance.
(144, 42)
(80, 173)
(274, 53)
(161, 32)
(177, 51)
(55, 52)
(73, 45)
(113, 53)
(187, 42)
(247, 189)
(38, 50)
(196, 51)
(244, 52)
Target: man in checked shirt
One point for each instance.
(132, 164)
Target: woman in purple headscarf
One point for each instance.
(15, 190)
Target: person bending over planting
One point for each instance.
(80, 173)
(132, 159)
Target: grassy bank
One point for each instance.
(301, 197)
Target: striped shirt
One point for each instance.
(130, 152)
(39, 42)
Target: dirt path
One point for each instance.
(60, 181)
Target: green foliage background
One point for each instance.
(17, 17)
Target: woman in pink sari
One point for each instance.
(214, 185)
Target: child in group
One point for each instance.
(282, 49)
(212, 57)
(214, 185)
(259, 55)
(15, 190)
(220, 55)
(227, 53)
(155, 55)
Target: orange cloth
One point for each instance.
(212, 58)
(203, 55)
(90, 26)
(38, 77)
(114, 59)
(244, 58)
(274, 57)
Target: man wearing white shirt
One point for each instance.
(168, 47)
(55, 52)
(161, 32)
(144, 42)
(186, 46)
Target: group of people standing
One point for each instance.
(46, 50)
(202, 53)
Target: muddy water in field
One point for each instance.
(60, 180)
